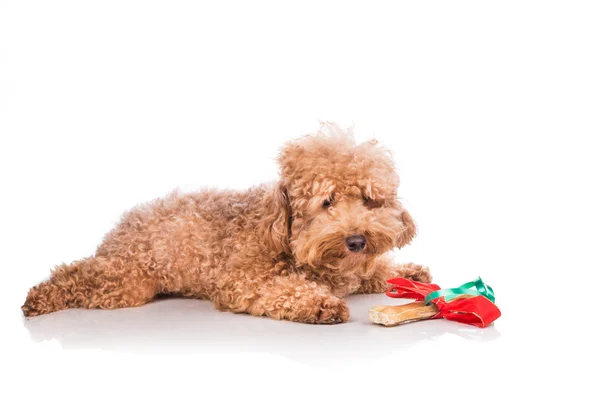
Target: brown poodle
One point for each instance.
(290, 250)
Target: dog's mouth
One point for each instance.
(350, 262)
(340, 257)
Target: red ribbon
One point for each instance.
(477, 310)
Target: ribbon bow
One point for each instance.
(471, 303)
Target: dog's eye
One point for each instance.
(370, 203)
(327, 203)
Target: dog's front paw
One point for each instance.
(325, 309)
(333, 310)
(415, 272)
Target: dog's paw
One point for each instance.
(325, 309)
(33, 304)
(29, 311)
(333, 310)
(415, 272)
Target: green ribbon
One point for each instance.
(467, 288)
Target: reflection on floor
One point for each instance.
(195, 326)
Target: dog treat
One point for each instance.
(396, 315)
(461, 304)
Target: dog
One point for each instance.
(288, 250)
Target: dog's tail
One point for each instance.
(95, 282)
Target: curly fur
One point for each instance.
(273, 250)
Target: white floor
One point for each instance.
(178, 347)
(187, 326)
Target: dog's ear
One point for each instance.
(291, 159)
(277, 220)
(409, 232)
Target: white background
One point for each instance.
(491, 111)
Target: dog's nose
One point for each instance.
(356, 243)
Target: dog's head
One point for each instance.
(337, 202)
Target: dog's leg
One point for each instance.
(386, 269)
(96, 282)
(290, 297)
